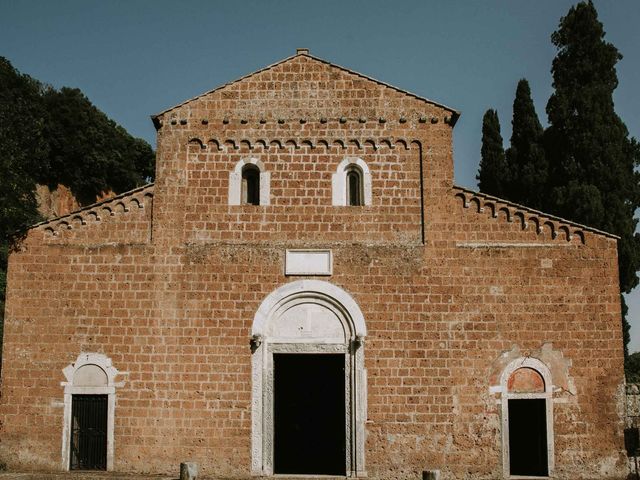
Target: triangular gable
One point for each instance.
(291, 62)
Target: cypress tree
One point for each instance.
(493, 167)
(592, 159)
(526, 160)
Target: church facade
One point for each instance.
(304, 291)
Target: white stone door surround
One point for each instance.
(308, 316)
(547, 395)
(90, 374)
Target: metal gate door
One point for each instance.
(89, 432)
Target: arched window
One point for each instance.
(355, 193)
(352, 183)
(527, 419)
(250, 185)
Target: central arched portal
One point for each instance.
(309, 382)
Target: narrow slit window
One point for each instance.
(250, 185)
(355, 193)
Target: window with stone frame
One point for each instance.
(351, 183)
(249, 183)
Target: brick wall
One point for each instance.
(169, 291)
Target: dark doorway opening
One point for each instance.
(528, 437)
(309, 414)
(88, 432)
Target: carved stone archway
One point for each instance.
(308, 316)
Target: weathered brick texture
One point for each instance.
(453, 285)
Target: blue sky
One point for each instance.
(133, 58)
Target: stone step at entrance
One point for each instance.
(124, 476)
(84, 476)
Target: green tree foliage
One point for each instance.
(493, 174)
(632, 368)
(526, 159)
(591, 156)
(593, 160)
(23, 156)
(23, 148)
(90, 153)
(49, 137)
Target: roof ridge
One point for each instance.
(537, 212)
(455, 113)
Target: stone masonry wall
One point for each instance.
(452, 285)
